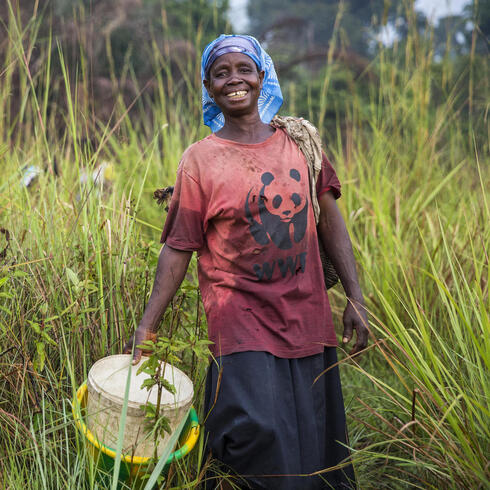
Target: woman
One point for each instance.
(242, 201)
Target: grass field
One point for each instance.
(77, 261)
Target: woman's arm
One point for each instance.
(171, 269)
(336, 241)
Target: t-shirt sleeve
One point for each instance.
(327, 179)
(183, 228)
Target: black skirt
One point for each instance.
(271, 425)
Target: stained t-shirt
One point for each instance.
(246, 210)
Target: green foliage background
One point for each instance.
(407, 129)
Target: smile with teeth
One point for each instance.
(237, 95)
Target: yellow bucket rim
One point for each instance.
(138, 460)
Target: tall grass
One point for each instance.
(80, 258)
(418, 214)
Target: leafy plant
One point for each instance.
(162, 352)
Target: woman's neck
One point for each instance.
(245, 129)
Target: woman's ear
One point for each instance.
(207, 86)
(261, 77)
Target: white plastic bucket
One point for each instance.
(106, 387)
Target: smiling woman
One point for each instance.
(234, 83)
(243, 201)
(270, 99)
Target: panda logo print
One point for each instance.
(283, 211)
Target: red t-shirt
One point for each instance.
(245, 209)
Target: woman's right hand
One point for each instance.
(171, 269)
(140, 335)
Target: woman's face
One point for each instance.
(234, 84)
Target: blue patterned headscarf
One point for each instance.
(270, 99)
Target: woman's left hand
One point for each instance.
(355, 318)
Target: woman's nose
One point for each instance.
(234, 79)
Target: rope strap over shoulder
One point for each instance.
(306, 136)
